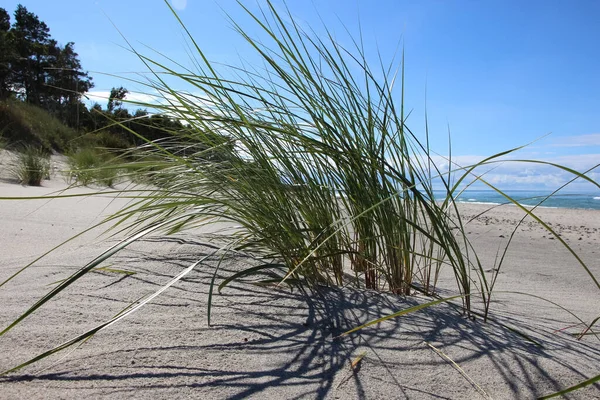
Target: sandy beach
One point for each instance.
(271, 343)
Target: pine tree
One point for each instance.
(7, 54)
(66, 84)
(40, 71)
(32, 44)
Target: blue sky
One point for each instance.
(499, 73)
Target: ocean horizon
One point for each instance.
(589, 200)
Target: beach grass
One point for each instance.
(32, 165)
(311, 158)
(89, 165)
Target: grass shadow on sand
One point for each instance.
(280, 344)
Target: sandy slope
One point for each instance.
(272, 343)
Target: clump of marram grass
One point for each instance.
(316, 165)
(313, 160)
(90, 166)
(32, 165)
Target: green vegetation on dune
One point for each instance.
(26, 124)
(89, 165)
(32, 166)
(42, 85)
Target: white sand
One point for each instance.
(268, 343)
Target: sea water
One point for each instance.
(532, 198)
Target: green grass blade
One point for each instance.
(401, 313)
(81, 272)
(573, 388)
(130, 310)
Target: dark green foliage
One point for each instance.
(32, 43)
(103, 140)
(35, 69)
(7, 53)
(39, 71)
(65, 85)
(115, 100)
(4, 20)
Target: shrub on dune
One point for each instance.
(32, 166)
(88, 165)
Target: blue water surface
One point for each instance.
(532, 198)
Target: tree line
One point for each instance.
(36, 69)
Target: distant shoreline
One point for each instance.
(533, 198)
(584, 200)
(528, 205)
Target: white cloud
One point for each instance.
(134, 100)
(505, 172)
(179, 4)
(508, 173)
(592, 139)
(102, 96)
(185, 107)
